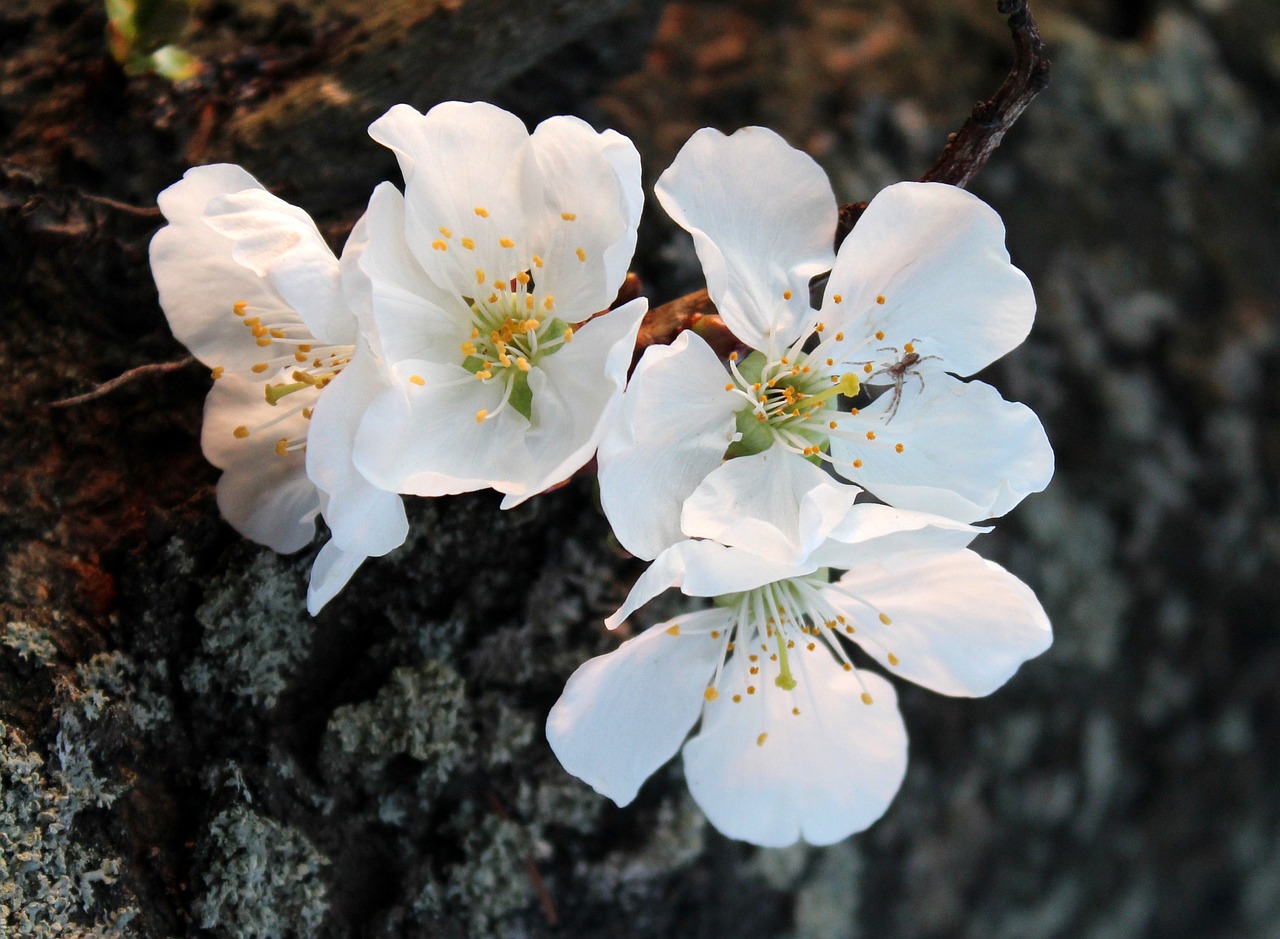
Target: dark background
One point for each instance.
(183, 752)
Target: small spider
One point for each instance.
(899, 370)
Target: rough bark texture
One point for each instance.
(184, 752)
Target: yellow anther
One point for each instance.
(484, 375)
(753, 658)
(240, 307)
(278, 333)
(868, 368)
(528, 301)
(282, 446)
(761, 739)
(795, 711)
(673, 629)
(548, 302)
(582, 255)
(811, 646)
(848, 667)
(568, 216)
(755, 670)
(837, 298)
(898, 447)
(506, 242)
(733, 356)
(784, 361)
(216, 373)
(482, 212)
(493, 298)
(830, 362)
(715, 634)
(820, 327)
(909, 348)
(849, 630)
(467, 243)
(786, 295)
(300, 356)
(481, 415)
(737, 698)
(530, 325)
(751, 689)
(522, 363)
(479, 275)
(839, 337)
(833, 425)
(240, 432)
(499, 285)
(893, 659)
(264, 341)
(444, 231)
(871, 435)
(439, 245)
(885, 619)
(417, 380)
(727, 387)
(880, 299)
(711, 694)
(866, 698)
(523, 277)
(307, 412)
(857, 464)
(468, 348)
(537, 261)
(475, 332)
(879, 333)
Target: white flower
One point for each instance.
(485, 276)
(922, 290)
(250, 287)
(795, 741)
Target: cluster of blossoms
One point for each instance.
(460, 343)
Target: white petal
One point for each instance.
(582, 206)
(936, 254)
(363, 518)
(266, 497)
(357, 289)
(967, 453)
(425, 440)
(870, 532)
(675, 423)
(775, 504)
(281, 243)
(412, 317)
(763, 220)
(330, 572)
(767, 775)
(459, 158)
(624, 714)
(960, 625)
(197, 279)
(704, 569)
(576, 393)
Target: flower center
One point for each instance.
(774, 626)
(290, 351)
(512, 330)
(789, 400)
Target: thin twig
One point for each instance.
(154, 368)
(965, 153)
(539, 885)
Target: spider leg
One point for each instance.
(897, 400)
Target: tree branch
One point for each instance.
(153, 368)
(965, 153)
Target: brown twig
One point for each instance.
(965, 153)
(154, 368)
(539, 885)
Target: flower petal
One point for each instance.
(765, 774)
(960, 625)
(675, 423)
(424, 440)
(264, 496)
(584, 215)
(196, 276)
(966, 452)
(576, 392)
(363, 518)
(775, 504)
(330, 572)
(763, 219)
(466, 167)
(870, 532)
(281, 243)
(704, 569)
(624, 714)
(412, 317)
(936, 255)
